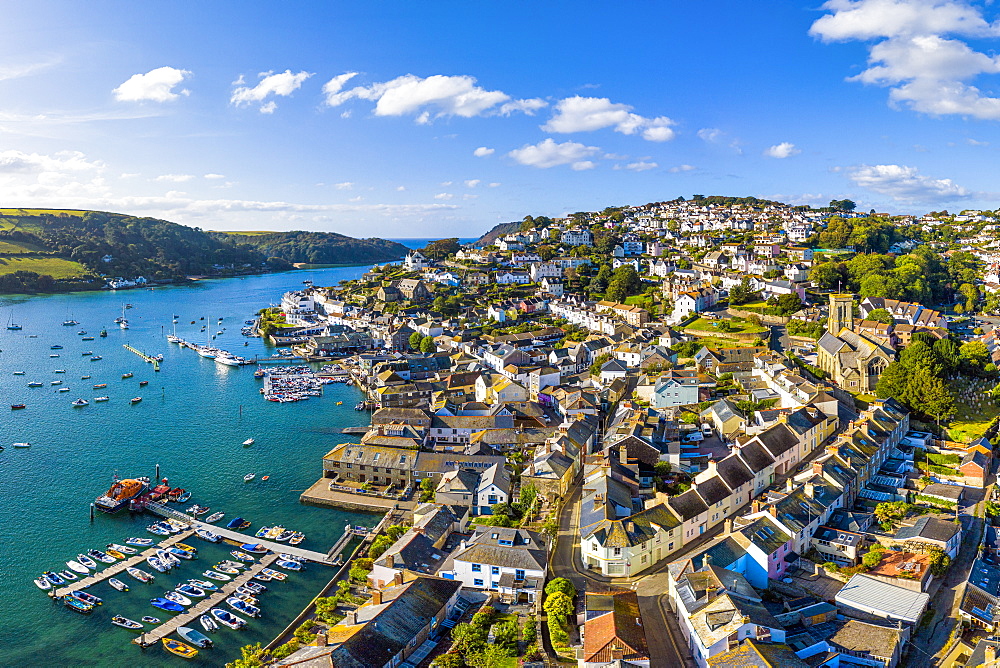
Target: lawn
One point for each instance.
(717, 342)
(971, 421)
(55, 267)
(705, 325)
(76, 213)
(17, 247)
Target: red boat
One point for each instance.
(173, 494)
(17, 407)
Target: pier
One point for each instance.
(145, 358)
(328, 558)
(202, 606)
(120, 567)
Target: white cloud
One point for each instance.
(128, 175)
(400, 188)
(156, 86)
(681, 168)
(428, 98)
(444, 196)
(583, 165)
(975, 142)
(586, 114)
(709, 134)
(8, 72)
(175, 178)
(282, 84)
(214, 176)
(548, 153)
(472, 183)
(482, 152)
(445, 184)
(346, 185)
(783, 150)
(924, 70)
(494, 185)
(469, 196)
(358, 198)
(907, 184)
(641, 166)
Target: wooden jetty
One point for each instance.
(146, 358)
(327, 558)
(120, 566)
(202, 606)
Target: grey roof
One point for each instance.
(527, 556)
(886, 600)
(778, 439)
(733, 471)
(755, 457)
(687, 505)
(930, 528)
(713, 490)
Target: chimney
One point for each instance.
(772, 511)
(630, 527)
(756, 506)
(990, 655)
(810, 489)
(789, 485)
(351, 618)
(817, 468)
(320, 639)
(397, 578)
(377, 597)
(728, 525)
(712, 466)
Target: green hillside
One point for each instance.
(44, 250)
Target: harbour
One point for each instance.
(193, 418)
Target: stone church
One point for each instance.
(853, 360)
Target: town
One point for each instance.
(707, 432)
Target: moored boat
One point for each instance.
(120, 493)
(239, 605)
(126, 623)
(178, 598)
(176, 646)
(100, 556)
(289, 565)
(102, 399)
(150, 620)
(191, 590)
(188, 548)
(118, 584)
(296, 538)
(253, 548)
(166, 604)
(249, 441)
(141, 542)
(157, 564)
(194, 637)
(116, 554)
(135, 400)
(205, 534)
(17, 407)
(274, 532)
(214, 517)
(86, 561)
(22, 445)
(184, 497)
(238, 523)
(140, 575)
(43, 583)
(262, 532)
(76, 605)
(227, 618)
(87, 597)
(212, 575)
(80, 402)
(203, 584)
(242, 556)
(284, 535)
(67, 575)
(125, 549)
(249, 476)
(209, 624)
(78, 567)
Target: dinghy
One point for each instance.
(227, 618)
(166, 604)
(194, 637)
(208, 623)
(177, 597)
(212, 575)
(118, 584)
(78, 567)
(140, 542)
(179, 648)
(86, 561)
(140, 575)
(126, 623)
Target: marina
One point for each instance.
(208, 410)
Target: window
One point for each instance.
(494, 585)
(477, 583)
(617, 551)
(519, 574)
(477, 568)
(494, 570)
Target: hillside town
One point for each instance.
(713, 432)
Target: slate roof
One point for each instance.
(755, 457)
(930, 528)
(687, 505)
(753, 654)
(863, 638)
(778, 439)
(733, 471)
(713, 490)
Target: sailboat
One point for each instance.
(123, 323)
(11, 325)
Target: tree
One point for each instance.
(891, 511)
(428, 345)
(449, 660)
(558, 604)
(788, 304)
(427, 490)
(379, 546)
(467, 638)
(251, 656)
(742, 293)
(939, 561)
(873, 556)
(974, 353)
(828, 275)
(881, 315)
(600, 282)
(560, 585)
(489, 656)
(415, 339)
(842, 205)
(624, 282)
(441, 249)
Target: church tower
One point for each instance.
(841, 315)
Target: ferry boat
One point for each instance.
(120, 493)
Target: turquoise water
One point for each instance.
(192, 420)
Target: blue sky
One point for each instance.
(429, 119)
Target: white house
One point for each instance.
(577, 237)
(511, 562)
(415, 261)
(493, 488)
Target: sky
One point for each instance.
(432, 119)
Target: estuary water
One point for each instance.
(193, 417)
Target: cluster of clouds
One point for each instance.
(920, 50)
(907, 184)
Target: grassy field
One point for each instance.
(17, 247)
(716, 342)
(971, 421)
(76, 213)
(55, 267)
(706, 325)
(248, 234)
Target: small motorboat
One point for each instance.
(176, 525)
(84, 377)
(208, 623)
(179, 648)
(186, 547)
(78, 567)
(203, 584)
(116, 554)
(184, 497)
(118, 584)
(55, 347)
(76, 605)
(166, 558)
(262, 532)
(126, 375)
(80, 403)
(238, 523)
(140, 575)
(86, 561)
(101, 399)
(191, 590)
(100, 386)
(249, 476)
(212, 575)
(88, 598)
(126, 623)
(227, 618)
(267, 477)
(157, 564)
(54, 355)
(260, 577)
(214, 517)
(194, 637)
(87, 353)
(59, 371)
(277, 575)
(151, 620)
(22, 445)
(101, 556)
(284, 536)
(63, 389)
(253, 548)
(20, 373)
(55, 382)
(157, 529)
(197, 510)
(140, 542)
(34, 384)
(43, 583)
(296, 538)
(177, 597)
(104, 334)
(96, 358)
(166, 604)
(228, 570)
(17, 407)
(143, 383)
(67, 575)
(242, 556)
(135, 400)
(248, 442)
(87, 338)
(205, 534)
(274, 532)
(124, 549)
(239, 605)
(183, 554)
